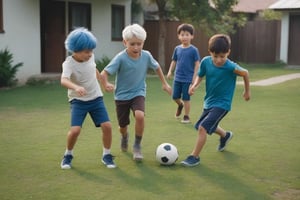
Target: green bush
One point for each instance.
(7, 69)
(102, 63)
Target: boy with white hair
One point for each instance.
(131, 66)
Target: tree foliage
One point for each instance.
(211, 16)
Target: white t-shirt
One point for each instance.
(83, 74)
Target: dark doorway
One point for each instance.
(54, 31)
(52, 35)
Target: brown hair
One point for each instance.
(219, 43)
(185, 27)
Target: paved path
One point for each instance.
(273, 80)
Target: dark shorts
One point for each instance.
(210, 119)
(123, 109)
(95, 108)
(181, 88)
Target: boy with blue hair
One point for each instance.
(80, 76)
(131, 66)
(220, 82)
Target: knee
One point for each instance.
(139, 116)
(202, 130)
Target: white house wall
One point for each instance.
(101, 27)
(21, 22)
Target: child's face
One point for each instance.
(185, 38)
(219, 59)
(83, 56)
(134, 47)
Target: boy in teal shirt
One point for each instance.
(221, 74)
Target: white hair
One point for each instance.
(134, 30)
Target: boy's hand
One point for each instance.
(109, 87)
(80, 91)
(167, 88)
(191, 90)
(246, 96)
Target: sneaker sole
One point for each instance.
(109, 166)
(189, 165)
(222, 149)
(185, 122)
(65, 166)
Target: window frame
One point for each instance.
(87, 6)
(117, 9)
(1, 17)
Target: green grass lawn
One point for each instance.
(261, 162)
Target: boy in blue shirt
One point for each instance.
(131, 66)
(220, 82)
(186, 59)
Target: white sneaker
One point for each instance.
(137, 154)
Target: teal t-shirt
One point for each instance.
(130, 74)
(220, 83)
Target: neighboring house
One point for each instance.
(34, 30)
(290, 30)
(252, 8)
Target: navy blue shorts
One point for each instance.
(95, 108)
(210, 119)
(180, 88)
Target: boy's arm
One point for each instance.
(245, 75)
(195, 85)
(166, 87)
(171, 69)
(66, 82)
(103, 78)
(196, 69)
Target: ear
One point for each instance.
(124, 43)
(228, 53)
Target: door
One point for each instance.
(52, 35)
(53, 30)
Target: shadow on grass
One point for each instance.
(227, 180)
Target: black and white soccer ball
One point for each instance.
(166, 154)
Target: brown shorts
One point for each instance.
(123, 109)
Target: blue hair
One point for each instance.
(80, 39)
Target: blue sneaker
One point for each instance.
(108, 161)
(66, 162)
(191, 161)
(224, 141)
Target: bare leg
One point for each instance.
(107, 134)
(72, 137)
(200, 142)
(139, 122)
(187, 106)
(220, 131)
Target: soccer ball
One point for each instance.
(166, 154)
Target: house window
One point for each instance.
(79, 15)
(1, 17)
(117, 22)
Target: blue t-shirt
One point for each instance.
(220, 82)
(185, 62)
(130, 74)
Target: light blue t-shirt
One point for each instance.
(220, 83)
(185, 63)
(130, 74)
